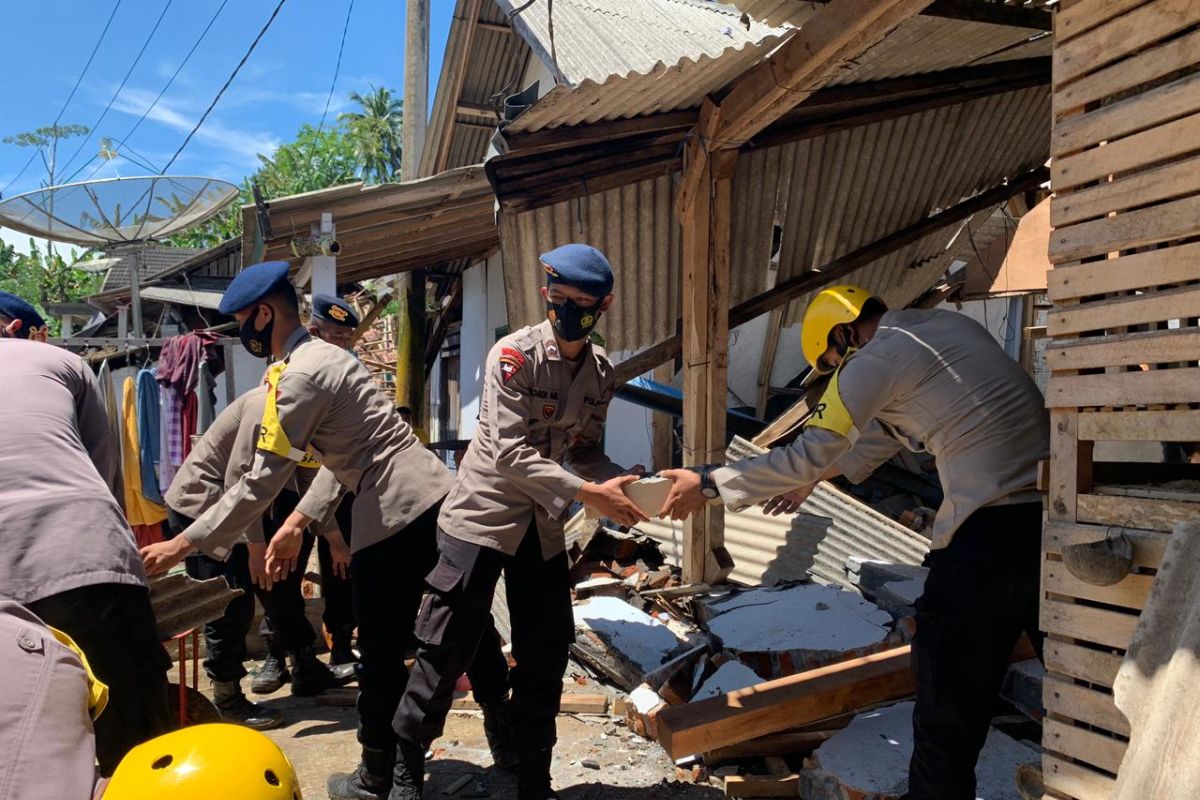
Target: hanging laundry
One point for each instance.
(188, 426)
(113, 409)
(170, 458)
(179, 361)
(138, 509)
(149, 434)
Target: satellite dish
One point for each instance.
(117, 210)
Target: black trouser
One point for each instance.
(981, 594)
(114, 626)
(285, 626)
(388, 579)
(336, 591)
(454, 622)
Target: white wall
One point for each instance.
(483, 312)
(1002, 316)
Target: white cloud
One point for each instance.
(240, 145)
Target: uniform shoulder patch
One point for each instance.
(511, 361)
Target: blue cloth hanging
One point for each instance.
(149, 435)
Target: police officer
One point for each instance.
(335, 321)
(322, 403)
(66, 552)
(215, 464)
(546, 394)
(931, 381)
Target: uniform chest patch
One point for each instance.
(548, 410)
(511, 361)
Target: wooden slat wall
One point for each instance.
(1124, 358)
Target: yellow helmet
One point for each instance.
(837, 305)
(204, 762)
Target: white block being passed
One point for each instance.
(649, 494)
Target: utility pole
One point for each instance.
(410, 286)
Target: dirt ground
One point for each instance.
(320, 740)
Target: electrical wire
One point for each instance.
(232, 75)
(164, 89)
(338, 67)
(124, 80)
(63, 110)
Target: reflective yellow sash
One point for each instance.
(270, 433)
(831, 413)
(97, 689)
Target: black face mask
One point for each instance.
(257, 343)
(573, 322)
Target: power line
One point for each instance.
(62, 110)
(167, 86)
(124, 80)
(233, 75)
(338, 67)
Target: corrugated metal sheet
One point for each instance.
(202, 298)
(594, 39)
(831, 527)
(920, 45)
(829, 195)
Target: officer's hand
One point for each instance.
(284, 550)
(339, 554)
(788, 503)
(685, 497)
(159, 557)
(258, 566)
(608, 499)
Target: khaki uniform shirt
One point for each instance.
(932, 381)
(328, 402)
(537, 414)
(60, 525)
(217, 463)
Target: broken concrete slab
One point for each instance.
(729, 677)
(621, 641)
(869, 761)
(779, 631)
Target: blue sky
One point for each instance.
(283, 85)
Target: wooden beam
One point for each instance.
(464, 107)
(1033, 19)
(442, 324)
(767, 361)
(785, 703)
(496, 27)
(454, 79)
(837, 268)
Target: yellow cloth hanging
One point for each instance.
(138, 510)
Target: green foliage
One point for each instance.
(376, 131)
(43, 278)
(44, 137)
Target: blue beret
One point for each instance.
(581, 266)
(333, 309)
(14, 307)
(253, 284)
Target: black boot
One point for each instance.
(235, 708)
(371, 781)
(309, 675)
(272, 675)
(501, 738)
(408, 776)
(533, 773)
(340, 651)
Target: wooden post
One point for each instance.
(706, 242)
(416, 86)
(410, 344)
(662, 426)
(767, 364)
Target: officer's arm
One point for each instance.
(506, 385)
(94, 430)
(874, 447)
(320, 498)
(587, 455)
(853, 398)
(301, 405)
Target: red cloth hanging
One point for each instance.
(148, 534)
(191, 405)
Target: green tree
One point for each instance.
(315, 160)
(376, 132)
(44, 277)
(46, 141)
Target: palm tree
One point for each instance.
(376, 131)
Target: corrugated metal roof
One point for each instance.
(920, 45)
(593, 39)
(830, 195)
(202, 298)
(391, 227)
